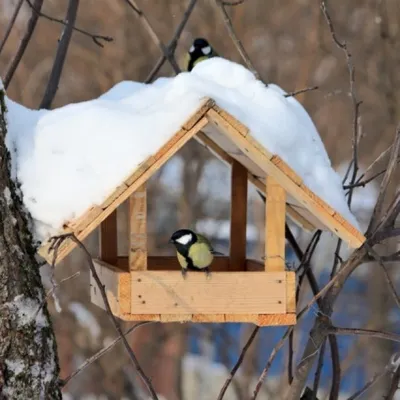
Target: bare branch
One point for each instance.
(233, 3)
(238, 44)
(23, 45)
(101, 352)
(394, 337)
(146, 23)
(96, 38)
(174, 42)
(56, 242)
(61, 54)
(295, 93)
(377, 213)
(11, 24)
(238, 363)
(318, 371)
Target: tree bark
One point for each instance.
(28, 354)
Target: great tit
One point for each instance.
(199, 51)
(194, 251)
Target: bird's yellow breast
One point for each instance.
(201, 255)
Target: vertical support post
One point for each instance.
(275, 226)
(237, 252)
(138, 230)
(108, 239)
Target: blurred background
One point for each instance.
(289, 43)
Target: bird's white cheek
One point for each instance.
(185, 239)
(206, 50)
(191, 50)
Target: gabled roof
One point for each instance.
(229, 140)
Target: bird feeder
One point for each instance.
(140, 287)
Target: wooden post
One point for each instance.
(137, 230)
(275, 226)
(108, 239)
(238, 217)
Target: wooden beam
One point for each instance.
(108, 239)
(275, 226)
(237, 251)
(166, 292)
(138, 230)
(300, 192)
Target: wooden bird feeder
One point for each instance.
(141, 287)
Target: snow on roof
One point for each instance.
(73, 157)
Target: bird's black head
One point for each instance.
(200, 49)
(183, 238)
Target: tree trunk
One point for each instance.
(28, 353)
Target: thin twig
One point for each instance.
(394, 337)
(100, 353)
(377, 213)
(117, 327)
(147, 25)
(233, 3)
(238, 44)
(11, 24)
(318, 371)
(173, 43)
(62, 49)
(96, 38)
(369, 383)
(238, 363)
(296, 92)
(23, 45)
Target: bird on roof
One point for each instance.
(200, 50)
(194, 251)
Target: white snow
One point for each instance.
(73, 157)
(26, 309)
(16, 366)
(7, 195)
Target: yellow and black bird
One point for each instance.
(199, 51)
(194, 251)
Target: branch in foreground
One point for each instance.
(238, 44)
(11, 24)
(238, 363)
(100, 353)
(394, 337)
(59, 60)
(296, 92)
(173, 43)
(23, 45)
(96, 38)
(55, 245)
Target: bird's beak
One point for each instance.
(170, 241)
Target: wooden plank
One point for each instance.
(117, 286)
(254, 265)
(290, 292)
(242, 129)
(276, 320)
(166, 292)
(201, 111)
(275, 226)
(138, 230)
(213, 318)
(276, 160)
(238, 242)
(108, 239)
(146, 172)
(176, 317)
(308, 199)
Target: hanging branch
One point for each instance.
(101, 353)
(295, 93)
(173, 43)
(59, 60)
(56, 241)
(11, 24)
(238, 363)
(96, 38)
(238, 44)
(23, 45)
(146, 23)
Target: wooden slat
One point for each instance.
(170, 263)
(275, 226)
(201, 111)
(138, 230)
(166, 292)
(237, 250)
(108, 239)
(163, 155)
(290, 292)
(308, 199)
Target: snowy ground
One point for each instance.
(73, 157)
